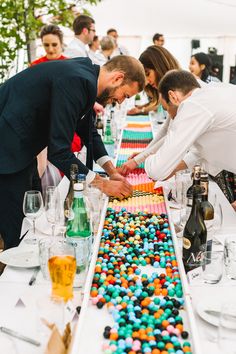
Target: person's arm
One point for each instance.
(152, 148)
(191, 121)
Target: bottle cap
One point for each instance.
(78, 187)
(81, 177)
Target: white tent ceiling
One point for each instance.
(171, 17)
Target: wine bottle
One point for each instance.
(196, 182)
(206, 206)
(99, 124)
(194, 234)
(69, 198)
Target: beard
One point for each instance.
(106, 96)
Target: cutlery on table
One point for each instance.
(20, 336)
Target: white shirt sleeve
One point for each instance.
(191, 121)
(102, 160)
(154, 145)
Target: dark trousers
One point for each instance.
(12, 189)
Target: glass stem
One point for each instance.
(34, 226)
(53, 230)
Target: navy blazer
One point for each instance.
(43, 106)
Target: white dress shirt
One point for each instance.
(76, 48)
(204, 130)
(120, 50)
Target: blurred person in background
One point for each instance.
(52, 41)
(84, 31)
(200, 66)
(108, 45)
(94, 47)
(157, 61)
(119, 49)
(158, 39)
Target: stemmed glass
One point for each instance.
(52, 206)
(217, 222)
(32, 208)
(183, 182)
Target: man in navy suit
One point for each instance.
(43, 106)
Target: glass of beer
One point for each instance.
(62, 268)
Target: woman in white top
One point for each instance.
(157, 61)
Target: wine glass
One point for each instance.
(182, 182)
(52, 206)
(32, 208)
(217, 221)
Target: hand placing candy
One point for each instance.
(128, 167)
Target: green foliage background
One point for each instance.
(20, 25)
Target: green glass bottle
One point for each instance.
(78, 231)
(108, 139)
(194, 234)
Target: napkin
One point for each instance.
(58, 344)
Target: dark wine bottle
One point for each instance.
(206, 206)
(70, 195)
(195, 233)
(99, 124)
(196, 182)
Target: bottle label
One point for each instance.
(204, 186)
(186, 243)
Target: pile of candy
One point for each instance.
(136, 274)
(145, 308)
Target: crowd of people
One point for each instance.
(50, 109)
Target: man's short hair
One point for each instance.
(180, 80)
(111, 30)
(156, 37)
(131, 67)
(81, 22)
(107, 43)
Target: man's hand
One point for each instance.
(133, 155)
(116, 176)
(134, 110)
(117, 189)
(98, 108)
(128, 167)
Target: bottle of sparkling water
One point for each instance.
(108, 139)
(78, 231)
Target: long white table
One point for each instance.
(18, 300)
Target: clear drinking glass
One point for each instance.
(212, 266)
(182, 182)
(52, 206)
(227, 328)
(94, 199)
(230, 257)
(32, 208)
(62, 268)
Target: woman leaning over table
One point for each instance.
(52, 41)
(157, 61)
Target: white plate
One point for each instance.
(20, 257)
(202, 310)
